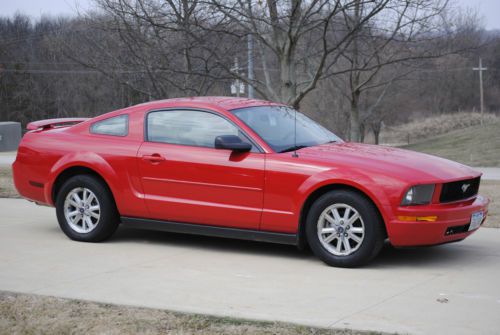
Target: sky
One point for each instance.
(489, 9)
(36, 8)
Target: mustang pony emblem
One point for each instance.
(465, 187)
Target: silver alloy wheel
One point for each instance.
(82, 210)
(341, 229)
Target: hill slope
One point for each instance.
(474, 146)
(422, 129)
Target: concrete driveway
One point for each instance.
(450, 289)
(489, 173)
(7, 158)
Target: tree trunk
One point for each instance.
(355, 133)
(376, 127)
(376, 133)
(288, 76)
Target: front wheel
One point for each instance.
(86, 210)
(344, 229)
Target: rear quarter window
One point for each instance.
(114, 126)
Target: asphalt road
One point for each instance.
(450, 289)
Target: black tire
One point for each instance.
(109, 218)
(373, 229)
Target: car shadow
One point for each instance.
(431, 257)
(208, 243)
(390, 257)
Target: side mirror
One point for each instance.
(232, 142)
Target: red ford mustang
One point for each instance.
(246, 169)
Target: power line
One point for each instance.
(39, 63)
(49, 71)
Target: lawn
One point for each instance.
(474, 146)
(33, 314)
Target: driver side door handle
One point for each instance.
(154, 158)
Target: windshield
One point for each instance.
(276, 126)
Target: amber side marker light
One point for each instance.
(418, 218)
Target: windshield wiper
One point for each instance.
(293, 148)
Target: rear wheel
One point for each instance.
(86, 210)
(344, 229)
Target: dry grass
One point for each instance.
(32, 314)
(420, 130)
(474, 146)
(7, 189)
(491, 189)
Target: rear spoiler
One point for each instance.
(54, 123)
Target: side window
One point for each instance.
(114, 126)
(188, 127)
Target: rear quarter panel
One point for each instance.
(33, 164)
(44, 155)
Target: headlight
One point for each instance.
(418, 195)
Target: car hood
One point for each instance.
(405, 164)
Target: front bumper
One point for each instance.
(419, 233)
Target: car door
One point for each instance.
(185, 179)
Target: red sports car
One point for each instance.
(246, 169)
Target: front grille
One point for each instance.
(459, 190)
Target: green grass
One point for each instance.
(33, 314)
(474, 146)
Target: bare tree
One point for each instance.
(308, 53)
(298, 40)
(156, 48)
(412, 31)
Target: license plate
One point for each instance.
(475, 220)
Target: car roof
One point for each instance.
(227, 103)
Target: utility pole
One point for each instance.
(481, 91)
(236, 86)
(250, 75)
(250, 66)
